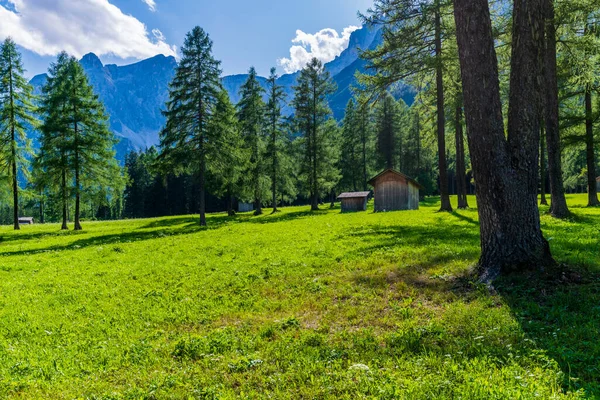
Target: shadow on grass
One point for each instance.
(561, 315)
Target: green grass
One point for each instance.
(294, 305)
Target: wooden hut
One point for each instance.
(354, 201)
(598, 183)
(395, 191)
(245, 207)
(26, 220)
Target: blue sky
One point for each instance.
(245, 33)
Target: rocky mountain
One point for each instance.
(135, 94)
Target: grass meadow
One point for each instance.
(295, 305)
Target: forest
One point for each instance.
(219, 264)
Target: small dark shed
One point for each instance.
(354, 201)
(598, 183)
(395, 191)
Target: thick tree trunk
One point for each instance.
(42, 220)
(505, 169)
(543, 200)
(364, 138)
(441, 118)
(558, 208)
(590, 154)
(461, 174)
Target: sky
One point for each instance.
(264, 34)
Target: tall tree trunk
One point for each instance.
(77, 181)
(461, 174)
(558, 208)
(230, 210)
(274, 167)
(13, 149)
(505, 169)
(202, 188)
(363, 138)
(590, 154)
(441, 118)
(64, 226)
(315, 189)
(543, 200)
(42, 221)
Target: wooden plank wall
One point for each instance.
(394, 193)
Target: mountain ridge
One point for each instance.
(135, 94)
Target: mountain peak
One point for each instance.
(91, 61)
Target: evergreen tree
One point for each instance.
(251, 114)
(91, 151)
(364, 128)
(16, 115)
(350, 149)
(314, 121)
(414, 33)
(52, 162)
(186, 140)
(387, 127)
(275, 127)
(228, 163)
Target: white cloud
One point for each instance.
(79, 27)
(324, 45)
(151, 4)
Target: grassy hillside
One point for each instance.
(294, 305)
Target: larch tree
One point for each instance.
(276, 131)
(558, 208)
(315, 122)
(91, 151)
(414, 33)
(387, 128)
(504, 165)
(52, 161)
(16, 116)
(350, 143)
(251, 114)
(186, 140)
(364, 130)
(228, 163)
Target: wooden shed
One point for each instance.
(598, 183)
(395, 191)
(354, 201)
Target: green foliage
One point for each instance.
(251, 114)
(313, 119)
(16, 117)
(76, 156)
(340, 306)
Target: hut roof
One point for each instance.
(408, 178)
(354, 195)
(598, 179)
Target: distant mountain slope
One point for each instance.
(135, 94)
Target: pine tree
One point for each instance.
(16, 116)
(52, 161)
(387, 127)
(414, 35)
(314, 120)
(228, 163)
(350, 148)
(186, 139)
(275, 127)
(251, 114)
(91, 151)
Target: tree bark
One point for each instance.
(461, 175)
(202, 188)
(274, 166)
(364, 138)
(543, 200)
(590, 154)
(441, 118)
(77, 183)
(315, 184)
(505, 168)
(64, 226)
(558, 208)
(13, 143)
